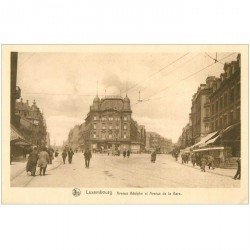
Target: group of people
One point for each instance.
(40, 157)
(126, 153)
(68, 152)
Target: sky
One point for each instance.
(65, 84)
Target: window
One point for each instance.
(125, 118)
(212, 110)
(124, 136)
(231, 117)
(103, 136)
(207, 112)
(94, 126)
(103, 118)
(103, 126)
(221, 103)
(110, 118)
(117, 127)
(225, 100)
(110, 136)
(232, 95)
(117, 119)
(225, 121)
(216, 107)
(110, 126)
(95, 118)
(125, 126)
(94, 135)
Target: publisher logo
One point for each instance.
(76, 192)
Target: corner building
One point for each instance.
(109, 126)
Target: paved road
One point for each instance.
(116, 172)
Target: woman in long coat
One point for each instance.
(32, 161)
(153, 157)
(43, 161)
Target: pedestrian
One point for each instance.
(238, 173)
(128, 153)
(51, 153)
(64, 155)
(210, 162)
(124, 153)
(70, 155)
(87, 156)
(153, 156)
(193, 159)
(187, 158)
(56, 153)
(203, 163)
(176, 156)
(32, 162)
(43, 160)
(182, 158)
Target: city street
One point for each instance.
(116, 172)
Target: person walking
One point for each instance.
(124, 153)
(203, 163)
(87, 156)
(64, 155)
(43, 160)
(128, 153)
(238, 173)
(70, 155)
(210, 162)
(193, 160)
(153, 156)
(32, 162)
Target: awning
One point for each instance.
(22, 143)
(15, 134)
(205, 139)
(208, 149)
(213, 140)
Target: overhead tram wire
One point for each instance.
(155, 73)
(149, 98)
(180, 66)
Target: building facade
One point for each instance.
(226, 105)
(186, 138)
(109, 126)
(200, 110)
(32, 123)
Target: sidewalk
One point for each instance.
(17, 168)
(218, 171)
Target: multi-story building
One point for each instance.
(225, 106)
(32, 123)
(186, 138)
(200, 110)
(109, 126)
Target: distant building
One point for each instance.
(109, 126)
(186, 138)
(154, 141)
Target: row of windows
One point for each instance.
(110, 136)
(226, 120)
(110, 118)
(225, 99)
(110, 127)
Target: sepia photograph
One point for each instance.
(105, 120)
